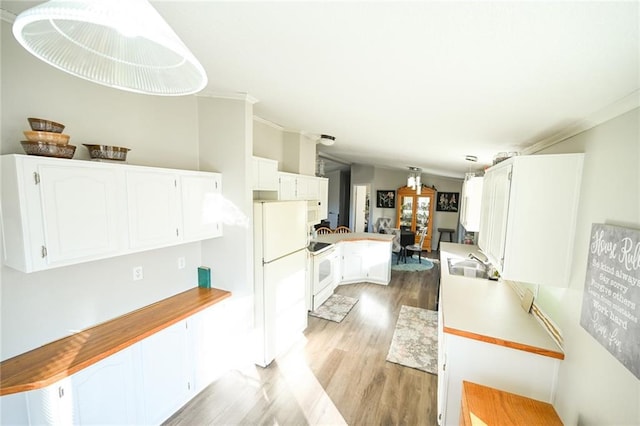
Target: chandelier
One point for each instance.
(413, 180)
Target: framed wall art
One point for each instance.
(386, 199)
(447, 201)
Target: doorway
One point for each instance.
(360, 208)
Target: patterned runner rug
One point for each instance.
(415, 339)
(335, 308)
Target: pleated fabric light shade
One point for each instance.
(124, 44)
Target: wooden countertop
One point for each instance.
(354, 236)
(488, 311)
(482, 405)
(54, 361)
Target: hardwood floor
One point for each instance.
(337, 374)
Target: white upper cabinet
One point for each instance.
(154, 208)
(292, 186)
(529, 211)
(470, 203)
(58, 212)
(287, 186)
(323, 187)
(201, 205)
(265, 174)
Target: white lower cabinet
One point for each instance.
(106, 393)
(510, 370)
(145, 383)
(166, 375)
(366, 261)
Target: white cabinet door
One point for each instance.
(287, 186)
(265, 174)
(52, 405)
(498, 207)
(529, 212)
(104, 393)
(323, 196)
(353, 261)
(166, 380)
(378, 262)
(154, 208)
(59, 213)
(471, 202)
(201, 206)
(308, 187)
(81, 209)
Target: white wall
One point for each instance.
(268, 141)
(40, 307)
(593, 387)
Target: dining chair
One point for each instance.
(342, 230)
(396, 247)
(418, 247)
(323, 230)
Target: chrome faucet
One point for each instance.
(486, 263)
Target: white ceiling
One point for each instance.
(417, 83)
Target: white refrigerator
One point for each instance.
(280, 241)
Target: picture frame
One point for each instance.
(386, 199)
(447, 202)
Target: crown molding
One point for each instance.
(268, 123)
(236, 96)
(621, 106)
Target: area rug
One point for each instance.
(335, 308)
(413, 264)
(415, 339)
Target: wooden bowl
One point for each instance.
(50, 137)
(107, 152)
(42, 125)
(45, 149)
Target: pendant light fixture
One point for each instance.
(414, 179)
(123, 44)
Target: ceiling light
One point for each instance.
(327, 140)
(414, 179)
(126, 45)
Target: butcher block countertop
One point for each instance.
(482, 405)
(353, 236)
(54, 361)
(487, 310)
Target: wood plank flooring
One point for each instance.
(337, 374)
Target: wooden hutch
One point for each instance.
(415, 211)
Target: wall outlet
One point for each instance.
(181, 262)
(137, 273)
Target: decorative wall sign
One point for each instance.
(611, 301)
(386, 199)
(447, 201)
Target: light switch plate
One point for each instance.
(527, 300)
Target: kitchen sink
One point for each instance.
(467, 268)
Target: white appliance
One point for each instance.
(325, 265)
(280, 241)
(313, 212)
